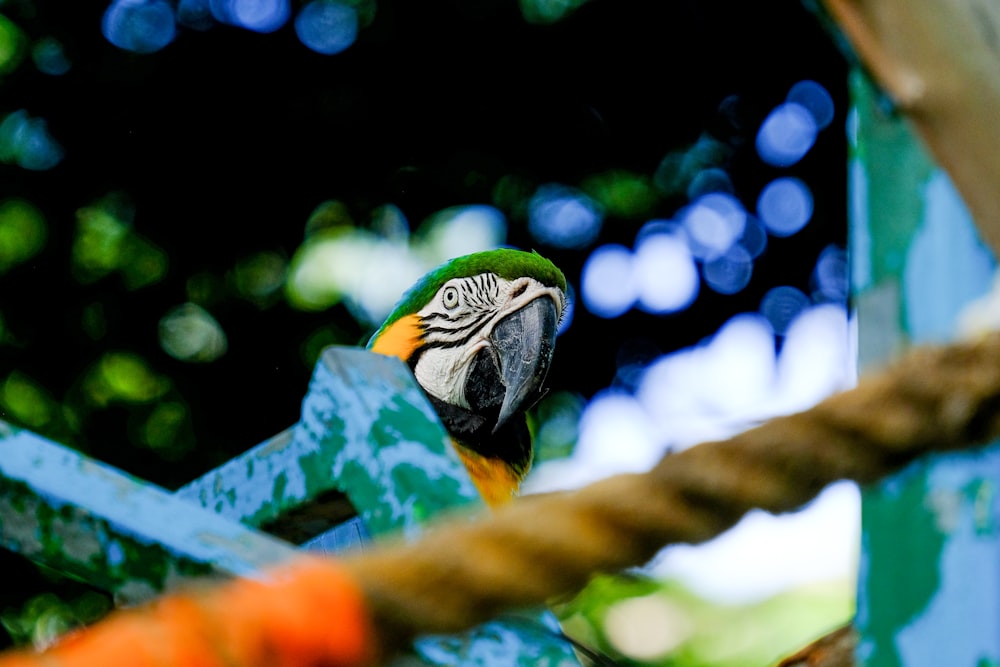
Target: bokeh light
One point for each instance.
(708, 181)
(26, 142)
(140, 26)
(679, 168)
(764, 554)
(123, 377)
(564, 217)
(722, 378)
(817, 357)
(257, 15)
(608, 281)
(815, 99)
(781, 305)
(364, 271)
(786, 135)
(785, 206)
(105, 242)
(12, 42)
(548, 11)
(621, 193)
(460, 230)
(190, 333)
(829, 279)
(22, 232)
(729, 273)
(616, 434)
(754, 239)
(713, 224)
(327, 26)
(27, 401)
(369, 269)
(50, 57)
(259, 277)
(666, 278)
(647, 627)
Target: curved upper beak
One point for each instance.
(524, 341)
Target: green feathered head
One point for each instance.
(506, 263)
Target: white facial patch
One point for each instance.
(458, 322)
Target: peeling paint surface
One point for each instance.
(127, 536)
(394, 461)
(366, 430)
(929, 576)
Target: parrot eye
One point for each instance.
(450, 297)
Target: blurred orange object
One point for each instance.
(308, 612)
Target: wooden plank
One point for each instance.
(87, 519)
(930, 568)
(399, 472)
(937, 60)
(366, 428)
(367, 431)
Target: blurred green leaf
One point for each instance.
(141, 263)
(624, 194)
(259, 278)
(105, 242)
(22, 232)
(165, 429)
(100, 234)
(27, 401)
(44, 618)
(648, 622)
(123, 377)
(12, 46)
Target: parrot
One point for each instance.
(478, 333)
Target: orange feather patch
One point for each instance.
(400, 339)
(496, 481)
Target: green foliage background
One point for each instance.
(157, 210)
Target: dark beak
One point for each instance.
(524, 341)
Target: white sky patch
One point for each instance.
(716, 389)
(764, 554)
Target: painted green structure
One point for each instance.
(368, 444)
(929, 585)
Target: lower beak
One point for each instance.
(524, 341)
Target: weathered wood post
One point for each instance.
(368, 442)
(929, 585)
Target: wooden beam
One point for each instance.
(112, 530)
(939, 61)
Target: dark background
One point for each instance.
(225, 141)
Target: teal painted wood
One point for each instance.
(929, 580)
(366, 426)
(252, 486)
(119, 533)
(372, 430)
(366, 430)
(399, 470)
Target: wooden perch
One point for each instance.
(464, 572)
(939, 61)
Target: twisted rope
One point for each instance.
(465, 572)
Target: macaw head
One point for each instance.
(478, 333)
